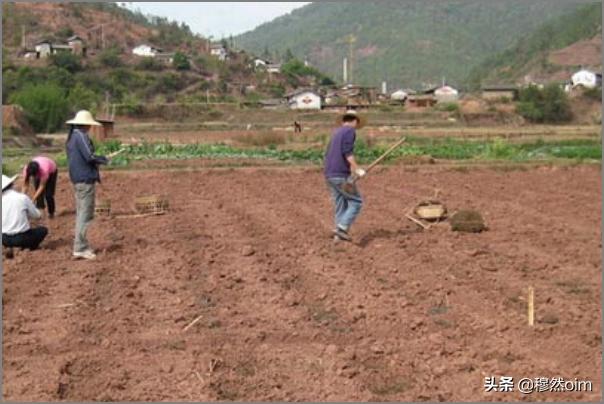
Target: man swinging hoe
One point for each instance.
(342, 172)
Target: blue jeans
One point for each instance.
(347, 206)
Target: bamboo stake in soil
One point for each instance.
(192, 323)
(531, 306)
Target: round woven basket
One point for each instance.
(431, 210)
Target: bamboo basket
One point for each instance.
(103, 208)
(431, 210)
(153, 204)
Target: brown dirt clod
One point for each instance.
(468, 221)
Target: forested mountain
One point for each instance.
(551, 52)
(407, 43)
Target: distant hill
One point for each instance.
(109, 70)
(95, 23)
(550, 53)
(407, 43)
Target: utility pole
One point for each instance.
(345, 70)
(352, 40)
(23, 40)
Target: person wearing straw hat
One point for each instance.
(340, 164)
(84, 174)
(17, 209)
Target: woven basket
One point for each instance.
(431, 210)
(103, 208)
(151, 204)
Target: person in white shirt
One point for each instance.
(17, 209)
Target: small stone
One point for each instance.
(331, 349)
(489, 267)
(377, 349)
(550, 318)
(415, 324)
(247, 251)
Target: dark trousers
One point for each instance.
(49, 193)
(30, 239)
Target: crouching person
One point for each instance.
(17, 209)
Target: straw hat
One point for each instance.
(6, 181)
(352, 112)
(83, 118)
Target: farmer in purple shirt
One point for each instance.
(339, 164)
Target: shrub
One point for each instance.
(326, 81)
(548, 105)
(64, 32)
(67, 61)
(148, 63)
(253, 97)
(448, 107)
(593, 93)
(110, 58)
(556, 107)
(45, 106)
(132, 105)
(181, 62)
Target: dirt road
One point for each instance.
(399, 315)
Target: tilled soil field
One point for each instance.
(398, 315)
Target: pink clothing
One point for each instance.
(47, 167)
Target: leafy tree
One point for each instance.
(266, 54)
(288, 55)
(326, 81)
(45, 106)
(81, 97)
(181, 62)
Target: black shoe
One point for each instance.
(341, 234)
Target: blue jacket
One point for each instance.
(83, 163)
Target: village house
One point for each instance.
(304, 99)
(45, 48)
(399, 95)
(146, 50)
(586, 78)
(77, 45)
(358, 95)
(446, 94)
(498, 92)
(273, 67)
(219, 51)
(271, 103)
(261, 63)
(422, 100)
